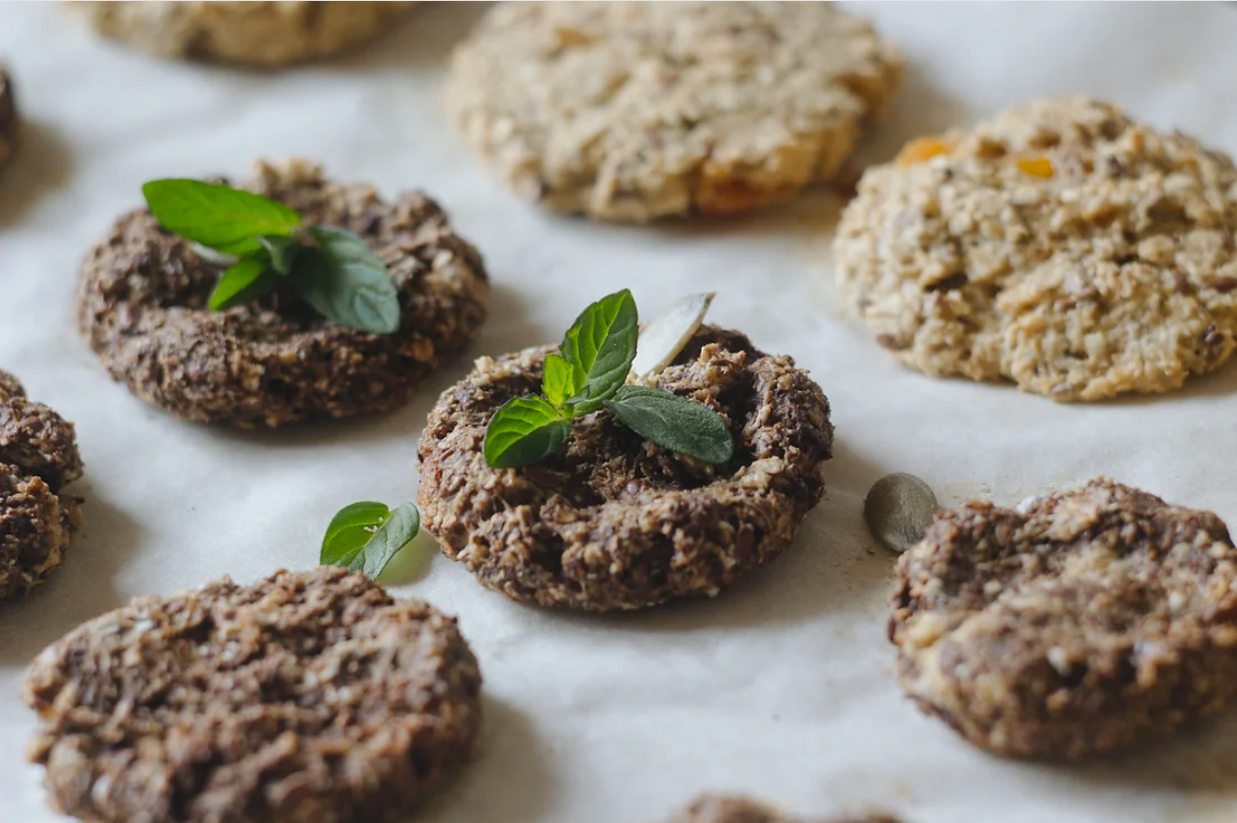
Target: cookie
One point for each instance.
(305, 698)
(633, 111)
(1042, 247)
(726, 809)
(9, 122)
(614, 522)
(258, 34)
(142, 305)
(38, 457)
(1081, 622)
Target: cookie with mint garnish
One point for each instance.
(566, 477)
(291, 297)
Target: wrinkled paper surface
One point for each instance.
(782, 688)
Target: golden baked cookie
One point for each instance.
(633, 111)
(258, 34)
(1061, 245)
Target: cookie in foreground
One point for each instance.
(1061, 245)
(38, 457)
(308, 697)
(1082, 622)
(634, 111)
(612, 521)
(734, 809)
(256, 34)
(143, 307)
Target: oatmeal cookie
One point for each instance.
(1060, 245)
(142, 305)
(633, 111)
(615, 522)
(1079, 623)
(257, 34)
(305, 698)
(9, 122)
(38, 457)
(726, 809)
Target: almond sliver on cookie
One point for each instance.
(662, 339)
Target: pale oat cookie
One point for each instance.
(258, 34)
(1060, 245)
(632, 111)
(711, 808)
(1081, 622)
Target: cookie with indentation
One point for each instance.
(1062, 245)
(306, 697)
(633, 111)
(1081, 622)
(257, 34)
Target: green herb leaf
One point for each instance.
(396, 532)
(600, 347)
(558, 382)
(350, 530)
(283, 250)
(344, 280)
(244, 282)
(217, 216)
(524, 431)
(673, 422)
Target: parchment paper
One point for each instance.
(782, 688)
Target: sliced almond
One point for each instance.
(662, 339)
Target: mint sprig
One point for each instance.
(590, 373)
(363, 537)
(331, 269)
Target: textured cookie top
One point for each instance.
(615, 522)
(727, 809)
(1041, 245)
(631, 111)
(309, 696)
(1095, 606)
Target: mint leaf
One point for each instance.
(244, 282)
(344, 280)
(283, 250)
(673, 422)
(217, 216)
(600, 346)
(558, 382)
(524, 431)
(363, 537)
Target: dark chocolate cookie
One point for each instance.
(1082, 622)
(309, 697)
(143, 308)
(9, 122)
(614, 522)
(38, 456)
(724, 809)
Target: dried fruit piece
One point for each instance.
(922, 149)
(1036, 166)
(662, 339)
(899, 509)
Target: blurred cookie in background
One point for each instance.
(9, 121)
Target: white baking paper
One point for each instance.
(782, 688)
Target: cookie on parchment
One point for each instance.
(614, 522)
(1061, 245)
(142, 305)
(730, 809)
(1081, 622)
(258, 34)
(308, 697)
(38, 457)
(9, 121)
(633, 111)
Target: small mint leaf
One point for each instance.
(349, 531)
(558, 382)
(282, 249)
(600, 346)
(345, 281)
(217, 216)
(250, 279)
(673, 422)
(524, 431)
(396, 532)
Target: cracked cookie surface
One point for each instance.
(1061, 245)
(633, 111)
(308, 696)
(142, 305)
(614, 522)
(1082, 622)
(38, 457)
